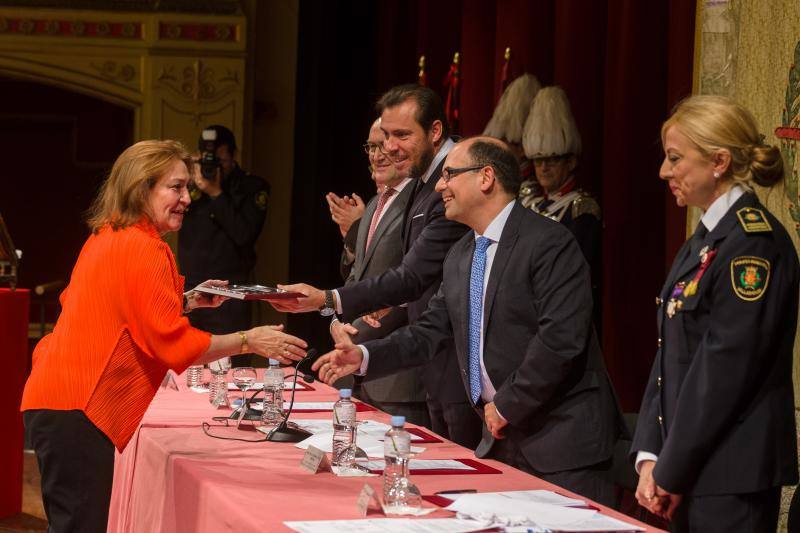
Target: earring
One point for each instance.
(716, 175)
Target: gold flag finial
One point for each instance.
(507, 55)
(457, 58)
(422, 62)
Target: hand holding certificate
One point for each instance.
(249, 292)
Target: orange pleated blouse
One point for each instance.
(121, 327)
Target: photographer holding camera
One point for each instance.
(220, 229)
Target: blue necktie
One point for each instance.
(475, 308)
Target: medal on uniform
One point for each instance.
(673, 304)
(706, 256)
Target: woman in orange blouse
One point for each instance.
(121, 328)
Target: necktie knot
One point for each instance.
(482, 244)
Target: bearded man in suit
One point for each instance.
(417, 140)
(378, 246)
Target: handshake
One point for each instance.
(346, 358)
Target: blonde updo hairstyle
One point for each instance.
(713, 123)
(122, 199)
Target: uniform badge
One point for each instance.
(753, 220)
(195, 194)
(261, 200)
(749, 277)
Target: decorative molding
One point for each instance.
(117, 72)
(179, 31)
(197, 118)
(49, 27)
(199, 83)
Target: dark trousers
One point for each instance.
(743, 513)
(415, 412)
(457, 422)
(76, 461)
(593, 482)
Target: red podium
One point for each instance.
(14, 308)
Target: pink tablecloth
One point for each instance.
(174, 478)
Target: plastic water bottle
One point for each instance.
(398, 492)
(194, 376)
(218, 389)
(273, 394)
(344, 430)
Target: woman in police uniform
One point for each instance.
(716, 436)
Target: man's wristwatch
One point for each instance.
(329, 308)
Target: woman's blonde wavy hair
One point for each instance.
(713, 123)
(122, 199)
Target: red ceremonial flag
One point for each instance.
(452, 85)
(422, 78)
(505, 73)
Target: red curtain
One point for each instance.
(624, 64)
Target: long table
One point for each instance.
(174, 478)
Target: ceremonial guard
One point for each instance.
(508, 122)
(551, 140)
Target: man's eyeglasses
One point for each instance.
(369, 148)
(449, 173)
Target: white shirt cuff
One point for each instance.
(499, 413)
(364, 362)
(337, 302)
(642, 456)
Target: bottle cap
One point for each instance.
(274, 362)
(345, 393)
(398, 421)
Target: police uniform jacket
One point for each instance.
(719, 408)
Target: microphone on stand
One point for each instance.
(282, 432)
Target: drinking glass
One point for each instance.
(243, 378)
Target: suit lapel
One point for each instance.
(363, 231)
(420, 193)
(464, 267)
(392, 213)
(501, 256)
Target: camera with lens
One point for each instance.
(209, 162)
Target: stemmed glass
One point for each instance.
(243, 378)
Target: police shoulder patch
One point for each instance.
(753, 220)
(261, 200)
(749, 277)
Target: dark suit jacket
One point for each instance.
(427, 237)
(539, 348)
(385, 251)
(719, 407)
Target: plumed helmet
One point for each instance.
(509, 116)
(550, 128)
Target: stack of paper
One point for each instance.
(388, 525)
(535, 511)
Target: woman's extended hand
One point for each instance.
(273, 343)
(195, 298)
